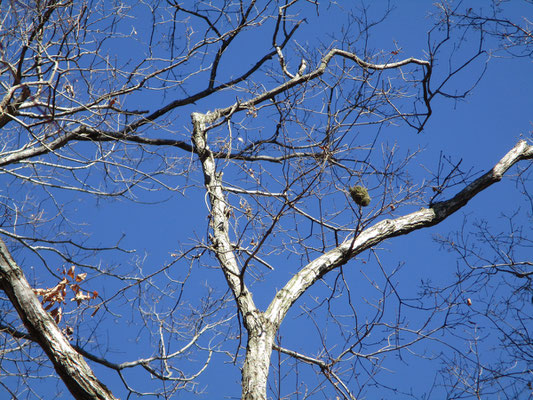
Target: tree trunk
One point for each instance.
(257, 362)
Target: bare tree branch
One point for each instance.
(386, 229)
(70, 366)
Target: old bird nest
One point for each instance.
(360, 195)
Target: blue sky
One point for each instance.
(478, 130)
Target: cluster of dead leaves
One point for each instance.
(53, 299)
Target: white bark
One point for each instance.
(220, 222)
(257, 361)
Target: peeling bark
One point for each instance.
(257, 361)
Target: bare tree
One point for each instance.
(108, 100)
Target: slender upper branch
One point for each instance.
(300, 79)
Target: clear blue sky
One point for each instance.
(478, 130)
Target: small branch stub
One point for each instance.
(360, 195)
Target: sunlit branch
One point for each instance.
(389, 228)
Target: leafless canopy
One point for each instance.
(247, 123)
